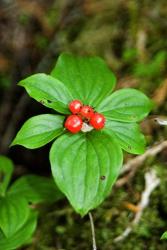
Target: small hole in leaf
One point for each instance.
(103, 177)
(49, 101)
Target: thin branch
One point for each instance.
(138, 160)
(125, 179)
(93, 231)
(132, 165)
(151, 182)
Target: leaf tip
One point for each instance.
(164, 236)
(13, 143)
(21, 83)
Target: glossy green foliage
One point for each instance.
(22, 236)
(17, 218)
(128, 135)
(35, 189)
(6, 170)
(86, 165)
(85, 175)
(164, 236)
(48, 90)
(88, 79)
(126, 105)
(13, 214)
(44, 128)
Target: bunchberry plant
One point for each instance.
(91, 127)
(17, 219)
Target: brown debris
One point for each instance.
(131, 207)
(4, 63)
(160, 94)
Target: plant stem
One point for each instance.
(93, 231)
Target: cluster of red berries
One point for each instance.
(80, 114)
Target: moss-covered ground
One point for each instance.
(131, 36)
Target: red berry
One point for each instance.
(97, 121)
(86, 112)
(75, 106)
(73, 123)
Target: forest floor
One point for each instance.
(131, 37)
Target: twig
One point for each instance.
(125, 179)
(151, 182)
(138, 160)
(132, 165)
(93, 231)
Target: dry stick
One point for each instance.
(123, 180)
(151, 182)
(93, 231)
(132, 165)
(138, 160)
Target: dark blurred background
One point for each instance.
(131, 36)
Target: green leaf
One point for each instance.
(127, 105)
(39, 130)
(85, 166)
(13, 214)
(6, 170)
(88, 78)
(22, 236)
(127, 135)
(164, 236)
(35, 189)
(48, 91)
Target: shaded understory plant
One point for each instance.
(85, 163)
(18, 216)
(164, 236)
